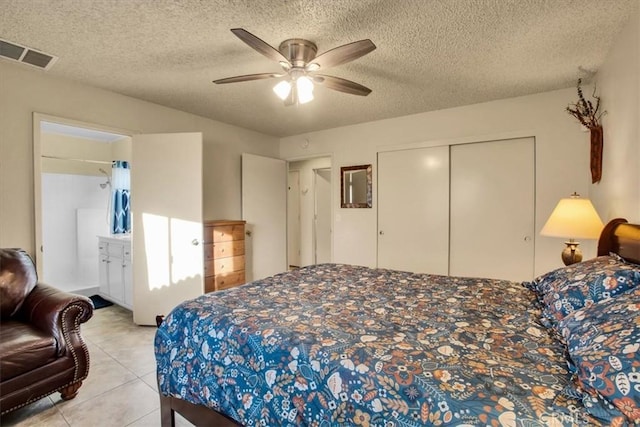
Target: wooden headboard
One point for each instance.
(622, 238)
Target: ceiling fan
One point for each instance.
(298, 59)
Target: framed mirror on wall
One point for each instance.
(355, 186)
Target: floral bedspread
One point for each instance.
(344, 345)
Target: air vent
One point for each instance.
(25, 55)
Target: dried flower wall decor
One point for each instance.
(589, 115)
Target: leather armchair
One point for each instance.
(41, 349)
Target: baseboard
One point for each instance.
(87, 292)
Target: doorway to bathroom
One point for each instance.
(74, 183)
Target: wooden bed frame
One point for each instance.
(622, 238)
(618, 236)
(196, 414)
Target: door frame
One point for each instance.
(333, 191)
(315, 213)
(37, 169)
(289, 219)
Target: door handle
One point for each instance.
(381, 233)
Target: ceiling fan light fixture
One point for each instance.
(298, 59)
(282, 89)
(304, 87)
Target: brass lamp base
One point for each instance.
(571, 253)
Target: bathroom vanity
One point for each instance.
(116, 274)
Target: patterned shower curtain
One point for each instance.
(121, 212)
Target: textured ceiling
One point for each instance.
(430, 54)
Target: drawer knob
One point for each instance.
(195, 242)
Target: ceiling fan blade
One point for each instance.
(341, 55)
(247, 78)
(341, 85)
(260, 45)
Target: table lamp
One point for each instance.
(573, 218)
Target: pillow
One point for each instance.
(603, 341)
(17, 279)
(568, 289)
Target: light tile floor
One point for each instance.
(121, 388)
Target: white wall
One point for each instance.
(618, 83)
(562, 160)
(306, 168)
(121, 150)
(67, 147)
(24, 91)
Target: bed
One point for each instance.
(346, 345)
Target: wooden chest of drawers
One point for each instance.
(223, 254)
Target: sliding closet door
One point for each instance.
(413, 210)
(492, 209)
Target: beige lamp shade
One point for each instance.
(573, 218)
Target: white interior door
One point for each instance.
(166, 205)
(322, 215)
(293, 219)
(413, 210)
(492, 209)
(264, 207)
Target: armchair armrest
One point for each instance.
(58, 313)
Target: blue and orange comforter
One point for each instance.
(345, 345)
